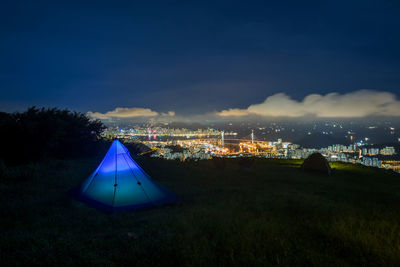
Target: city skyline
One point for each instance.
(205, 144)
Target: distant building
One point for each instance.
(389, 150)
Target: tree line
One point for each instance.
(39, 133)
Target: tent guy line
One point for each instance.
(119, 183)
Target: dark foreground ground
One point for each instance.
(270, 214)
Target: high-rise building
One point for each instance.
(365, 151)
(389, 150)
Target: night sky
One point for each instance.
(193, 58)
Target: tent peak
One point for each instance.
(119, 183)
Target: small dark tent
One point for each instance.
(317, 163)
(119, 183)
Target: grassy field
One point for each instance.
(269, 214)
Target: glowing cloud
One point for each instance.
(351, 105)
(124, 113)
(169, 113)
(235, 112)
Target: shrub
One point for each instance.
(39, 133)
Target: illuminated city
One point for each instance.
(202, 144)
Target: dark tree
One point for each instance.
(39, 133)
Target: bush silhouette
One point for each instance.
(39, 133)
(316, 162)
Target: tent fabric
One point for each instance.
(119, 183)
(316, 162)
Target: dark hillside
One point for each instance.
(268, 213)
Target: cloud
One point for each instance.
(234, 112)
(356, 104)
(127, 113)
(169, 113)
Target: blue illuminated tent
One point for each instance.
(119, 183)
